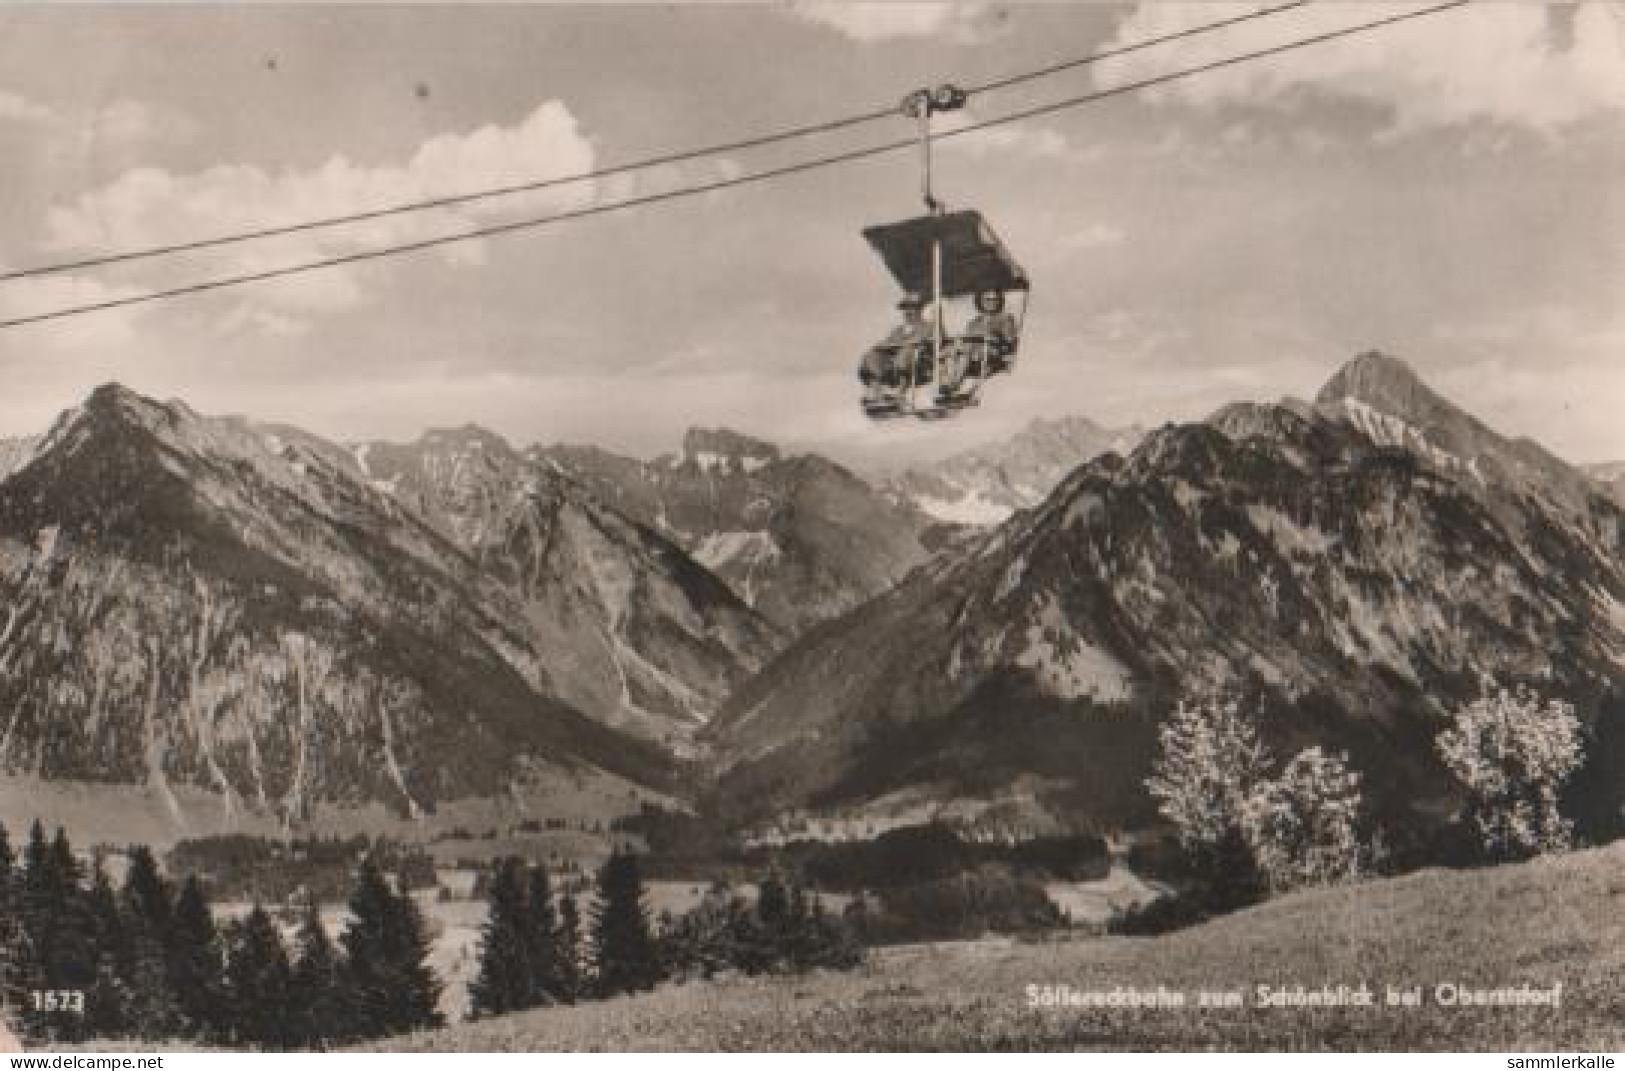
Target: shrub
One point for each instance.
(1512, 751)
(1209, 762)
(1303, 828)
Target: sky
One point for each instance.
(1448, 190)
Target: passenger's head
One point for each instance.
(911, 304)
(990, 301)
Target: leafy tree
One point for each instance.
(786, 928)
(625, 958)
(259, 983)
(388, 984)
(504, 982)
(704, 940)
(832, 943)
(196, 964)
(1512, 752)
(318, 1010)
(1209, 763)
(1303, 828)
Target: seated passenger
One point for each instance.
(888, 361)
(992, 331)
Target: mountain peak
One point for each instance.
(468, 437)
(108, 407)
(115, 398)
(1383, 382)
(112, 393)
(713, 447)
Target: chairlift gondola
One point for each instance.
(924, 370)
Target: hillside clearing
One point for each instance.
(1550, 921)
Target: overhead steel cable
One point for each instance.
(829, 126)
(816, 163)
(1134, 46)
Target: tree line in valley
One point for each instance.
(147, 957)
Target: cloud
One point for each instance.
(131, 122)
(19, 109)
(1023, 138)
(1530, 65)
(153, 206)
(1092, 236)
(867, 23)
(121, 125)
(102, 330)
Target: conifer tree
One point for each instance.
(505, 977)
(59, 931)
(388, 984)
(365, 940)
(542, 939)
(147, 905)
(259, 983)
(196, 964)
(317, 997)
(624, 952)
(569, 944)
(13, 962)
(105, 1003)
(34, 892)
(776, 912)
(801, 937)
(419, 997)
(147, 896)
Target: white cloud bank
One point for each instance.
(868, 23)
(152, 206)
(16, 108)
(1525, 64)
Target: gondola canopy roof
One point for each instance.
(973, 258)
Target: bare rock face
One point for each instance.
(1349, 566)
(192, 603)
(14, 454)
(800, 539)
(637, 634)
(1387, 401)
(986, 484)
(1611, 475)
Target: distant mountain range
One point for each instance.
(201, 602)
(800, 538)
(293, 627)
(986, 484)
(1349, 565)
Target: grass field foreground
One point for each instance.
(1554, 920)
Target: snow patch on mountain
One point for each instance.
(1386, 429)
(974, 509)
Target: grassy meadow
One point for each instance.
(1554, 920)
